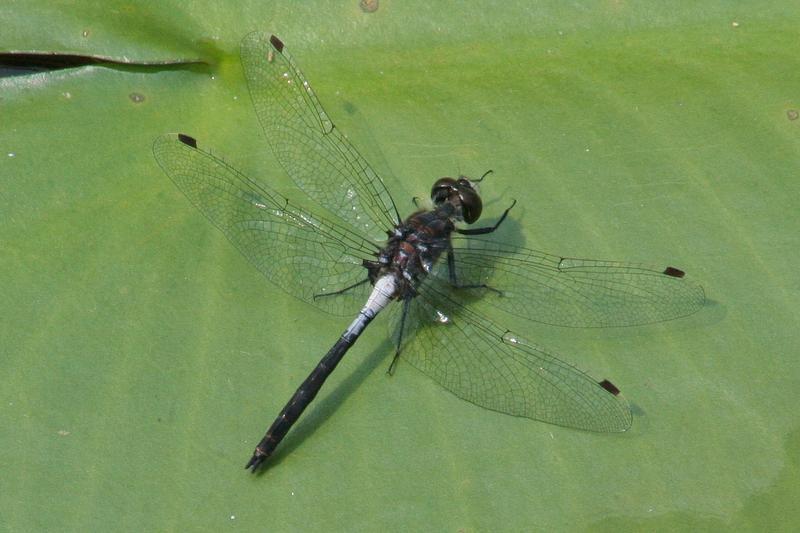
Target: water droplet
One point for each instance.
(67, 95)
(233, 517)
(213, 77)
(85, 33)
(11, 154)
(442, 318)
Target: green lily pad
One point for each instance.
(143, 357)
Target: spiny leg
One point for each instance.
(451, 271)
(340, 291)
(490, 229)
(406, 307)
(483, 176)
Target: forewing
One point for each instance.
(569, 292)
(491, 367)
(302, 254)
(320, 159)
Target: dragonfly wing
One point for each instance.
(320, 159)
(489, 366)
(570, 292)
(303, 254)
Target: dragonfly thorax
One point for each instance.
(416, 244)
(414, 247)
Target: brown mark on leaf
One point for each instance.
(136, 98)
(792, 114)
(368, 6)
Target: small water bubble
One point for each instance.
(233, 517)
(213, 77)
(11, 154)
(67, 95)
(85, 33)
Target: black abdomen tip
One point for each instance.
(189, 141)
(674, 272)
(610, 387)
(277, 43)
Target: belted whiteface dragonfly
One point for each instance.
(356, 255)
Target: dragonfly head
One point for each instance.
(461, 193)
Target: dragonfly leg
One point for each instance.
(483, 176)
(451, 270)
(406, 306)
(489, 229)
(340, 291)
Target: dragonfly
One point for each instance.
(441, 280)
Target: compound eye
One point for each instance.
(471, 204)
(442, 190)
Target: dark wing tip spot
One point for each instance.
(674, 272)
(610, 387)
(189, 141)
(277, 43)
